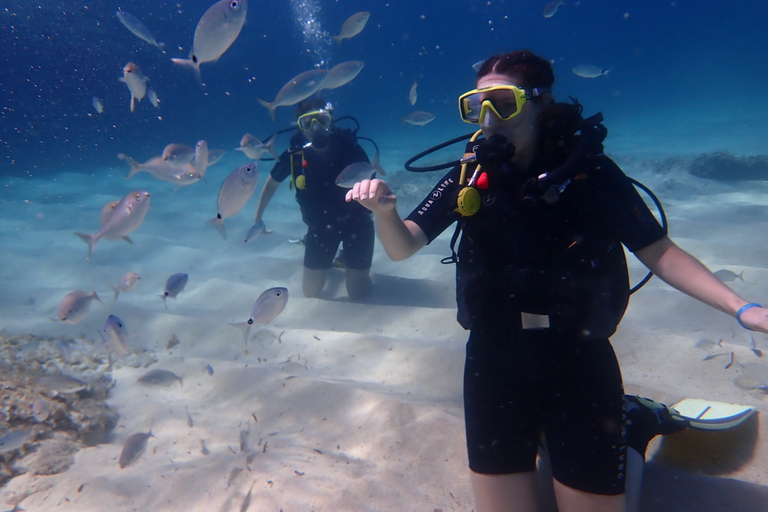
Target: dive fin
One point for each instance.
(711, 415)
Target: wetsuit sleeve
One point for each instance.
(282, 169)
(437, 211)
(622, 208)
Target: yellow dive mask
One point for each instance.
(322, 117)
(506, 101)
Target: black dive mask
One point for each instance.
(494, 152)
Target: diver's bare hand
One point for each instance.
(373, 194)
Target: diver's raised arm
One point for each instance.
(401, 239)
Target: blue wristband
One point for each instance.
(742, 309)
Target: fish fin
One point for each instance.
(337, 40)
(96, 297)
(90, 240)
(272, 150)
(122, 79)
(135, 168)
(162, 296)
(218, 223)
(269, 107)
(133, 102)
(117, 292)
(128, 239)
(245, 327)
(193, 65)
(377, 165)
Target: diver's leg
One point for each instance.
(358, 283)
(358, 237)
(313, 281)
(320, 244)
(573, 500)
(505, 493)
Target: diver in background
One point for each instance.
(542, 283)
(318, 152)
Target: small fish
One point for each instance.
(14, 440)
(202, 157)
(352, 26)
(162, 170)
(75, 305)
(477, 65)
(244, 434)
(190, 422)
(342, 74)
(236, 190)
(300, 87)
(412, 96)
(267, 307)
(418, 118)
(135, 445)
(209, 369)
(137, 28)
(136, 82)
(753, 346)
(215, 33)
(159, 378)
(255, 149)
(172, 341)
(97, 104)
(178, 154)
(551, 8)
(712, 356)
(127, 283)
(358, 171)
(122, 218)
(726, 276)
(41, 409)
(590, 71)
(174, 285)
(113, 333)
(153, 99)
(62, 384)
(256, 230)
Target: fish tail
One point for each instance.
(133, 102)
(135, 168)
(245, 327)
(193, 65)
(117, 292)
(165, 301)
(272, 150)
(96, 297)
(269, 107)
(337, 40)
(377, 165)
(218, 223)
(90, 240)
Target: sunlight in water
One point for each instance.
(317, 40)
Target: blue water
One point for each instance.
(671, 59)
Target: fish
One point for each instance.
(267, 307)
(590, 71)
(40, 409)
(187, 174)
(62, 384)
(726, 276)
(551, 8)
(418, 118)
(244, 434)
(342, 74)
(113, 333)
(127, 282)
(753, 346)
(134, 446)
(359, 171)
(138, 28)
(124, 217)
(255, 149)
(153, 99)
(209, 369)
(75, 305)
(256, 230)
(178, 154)
(14, 440)
(174, 285)
(190, 421)
(236, 190)
(159, 378)
(202, 155)
(300, 87)
(412, 96)
(97, 104)
(352, 26)
(479, 64)
(215, 33)
(136, 82)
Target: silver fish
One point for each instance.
(342, 74)
(236, 190)
(354, 173)
(135, 445)
(255, 231)
(14, 440)
(412, 95)
(124, 217)
(153, 99)
(352, 26)
(75, 305)
(726, 276)
(255, 149)
(97, 104)
(62, 384)
(159, 378)
(136, 82)
(201, 157)
(187, 174)
(300, 87)
(137, 28)
(41, 409)
(477, 65)
(418, 118)
(215, 33)
(127, 283)
(174, 285)
(590, 71)
(267, 307)
(114, 333)
(551, 8)
(178, 154)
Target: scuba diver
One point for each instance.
(318, 152)
(541, 284)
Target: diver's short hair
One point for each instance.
(523, 65)
(309, 105)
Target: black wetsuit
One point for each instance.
(564, 260)
(330, 219)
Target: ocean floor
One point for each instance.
(333, 405)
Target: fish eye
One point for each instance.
(234, 4)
